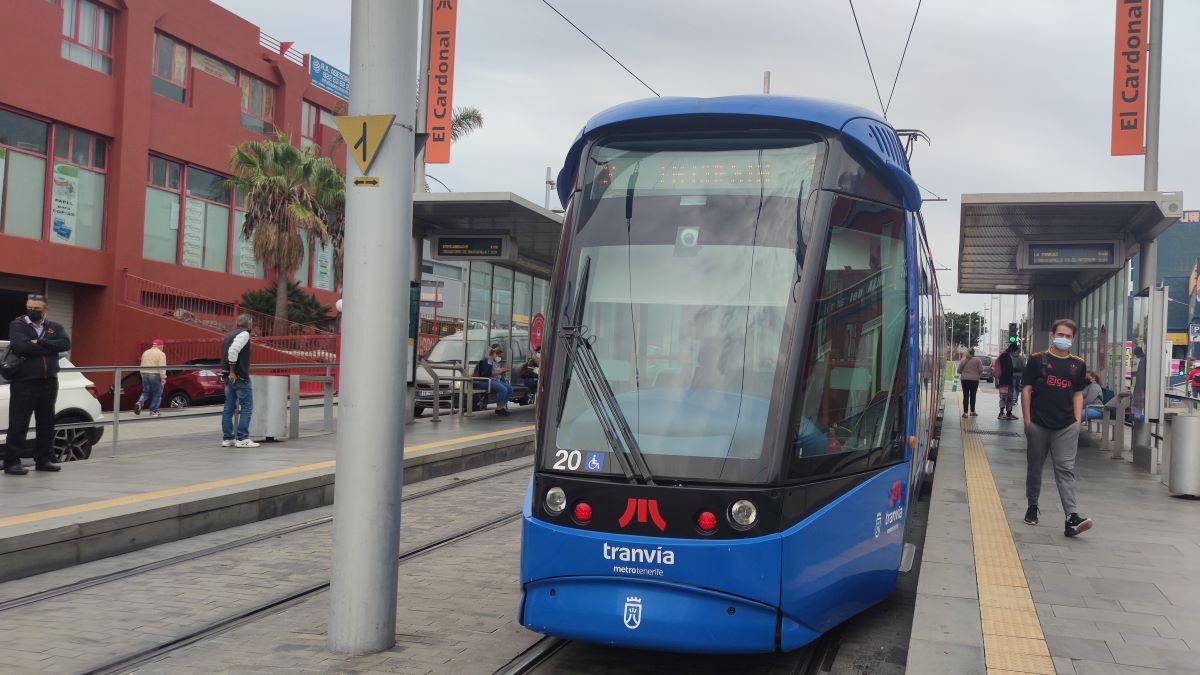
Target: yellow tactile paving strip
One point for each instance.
(1012, 635)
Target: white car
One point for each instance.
(76, 403)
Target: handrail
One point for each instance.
(194, 366)
(275, 45)
(135, 288)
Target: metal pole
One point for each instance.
(370, 437)
(1153, 94)
(1148, 265)
(116, 410)
(294, 406)
(766, 81)
(549, 187)
(419, 182)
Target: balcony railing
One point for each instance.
(216, 315)
(274, 45)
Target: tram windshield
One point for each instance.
(693, 247)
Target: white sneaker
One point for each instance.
(246, 443)
(226, 444)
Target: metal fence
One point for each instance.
(324, 377)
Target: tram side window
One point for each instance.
(853, 386)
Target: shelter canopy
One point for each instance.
(993, 226)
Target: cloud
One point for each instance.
(1015, 96)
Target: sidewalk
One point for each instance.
(176, 487)
(1121, 598)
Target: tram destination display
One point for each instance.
(1069, 255)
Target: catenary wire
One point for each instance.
(904, 53)
(870, 68)
(601, 47)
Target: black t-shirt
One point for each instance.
(1055, 381)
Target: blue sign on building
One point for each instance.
(329, 78)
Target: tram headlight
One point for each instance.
(556, 500)
(743, 513)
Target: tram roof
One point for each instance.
(993, 226)
(871, 132)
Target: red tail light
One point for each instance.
(706, 521)
(91, 389)
(583, 512)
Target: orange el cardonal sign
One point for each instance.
(440, 91)
(1129, 77)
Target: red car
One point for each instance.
(181, 389)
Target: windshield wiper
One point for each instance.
(599, 394)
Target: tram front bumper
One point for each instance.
(648, 614)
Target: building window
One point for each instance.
(310, 125)
(301, 271)
(206, 221)
(77, 189)
(87, 35)
(160, 234)
(442, 270)
(244, 262)
(214, 66)
(170, 67)
(23, 148)
(323, 267)
(258, 105)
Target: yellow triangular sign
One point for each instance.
(363, 135)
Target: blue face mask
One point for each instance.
(1061, 343)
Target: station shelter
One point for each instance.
(1069, 254)
(485, 260)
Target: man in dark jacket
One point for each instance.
(235, 366)
(34, 387)
(1008, 396)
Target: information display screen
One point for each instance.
(1060, 255)
(470, 247)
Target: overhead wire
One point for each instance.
(601, 48)
(902, 55)
(870, 68)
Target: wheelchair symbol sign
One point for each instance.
(595, 462)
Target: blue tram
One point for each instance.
(740, 377)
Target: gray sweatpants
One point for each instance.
(1061, 445)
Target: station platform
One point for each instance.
(172, 480)
(998, 596)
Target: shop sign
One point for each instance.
(193, 233)
(64, 203)
(328, 78)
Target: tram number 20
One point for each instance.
(569, 460)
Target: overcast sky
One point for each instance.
(1016, 96)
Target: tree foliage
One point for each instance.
(302, 308)
(289, 194)
(965, 328)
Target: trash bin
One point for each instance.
(269, 419)
(1184, 460)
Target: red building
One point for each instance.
(117, 118)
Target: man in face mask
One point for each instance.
(34, 387)
(1053, 386)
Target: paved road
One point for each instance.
(91, 627)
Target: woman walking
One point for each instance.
(969, 371)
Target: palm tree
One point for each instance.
(463, 121)
(289, 194)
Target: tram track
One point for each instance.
(813, 659)
(129, 572)
(145, 656)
